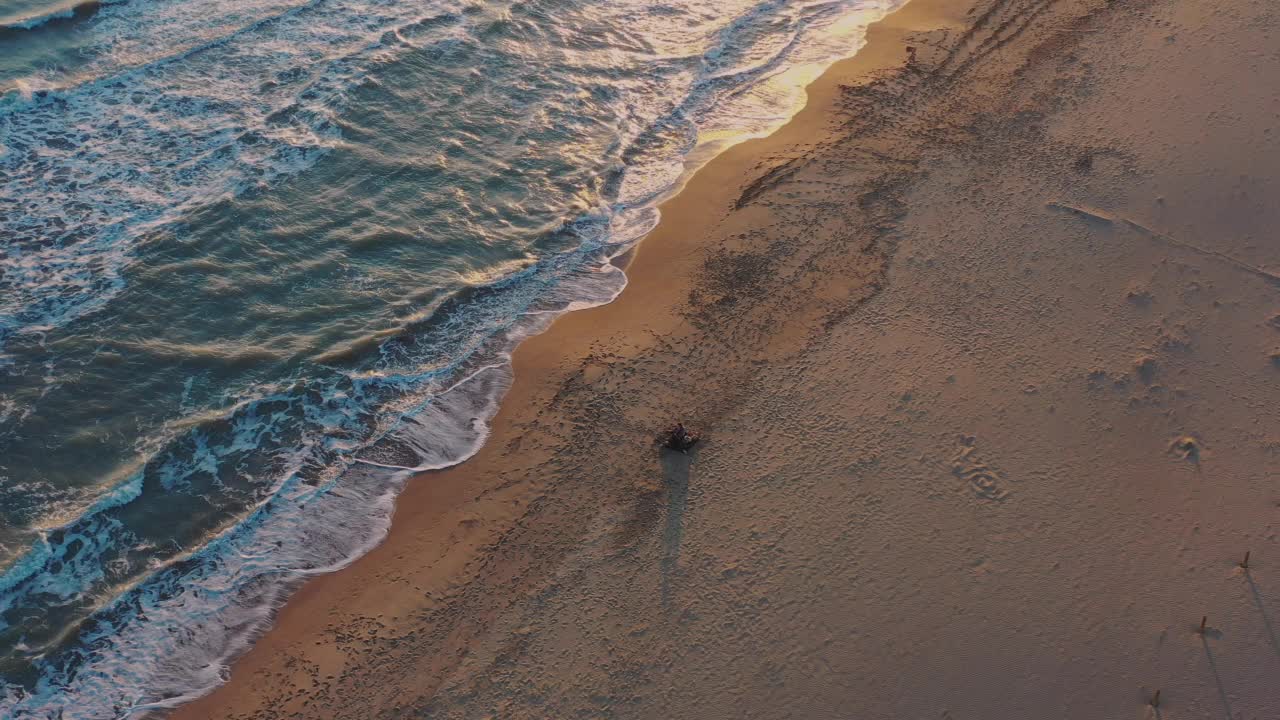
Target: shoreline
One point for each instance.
(434, 503)
(966, 455)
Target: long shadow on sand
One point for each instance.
(1217, 679)
(675, 475)
(1262, 610)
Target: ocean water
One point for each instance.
(261, 260)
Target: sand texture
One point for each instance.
(986, 348)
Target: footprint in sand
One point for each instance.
(985, 482)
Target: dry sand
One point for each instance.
(984, 346)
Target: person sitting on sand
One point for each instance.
(679, 435)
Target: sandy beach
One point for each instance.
(984, 345)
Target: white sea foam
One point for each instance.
(30, 19)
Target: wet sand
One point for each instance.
(983, 344)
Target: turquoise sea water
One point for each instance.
(259, 259)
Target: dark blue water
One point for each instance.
(262, 258)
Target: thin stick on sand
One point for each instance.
(1203, 621)
(1245, 564)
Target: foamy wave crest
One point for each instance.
(65, 11)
